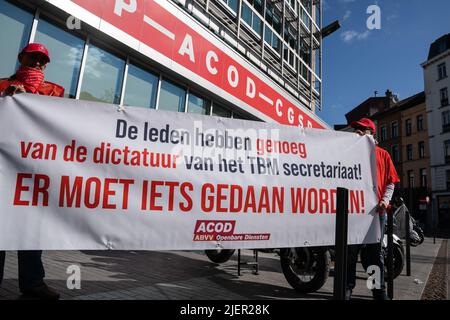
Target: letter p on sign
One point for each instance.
(127, 5)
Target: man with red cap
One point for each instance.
(386, 179)
(30, 78)
(30, 75)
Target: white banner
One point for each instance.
(84, 175)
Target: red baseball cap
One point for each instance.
(364, 122)
(34, 47)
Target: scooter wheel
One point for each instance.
(219, 255)
(305, 269)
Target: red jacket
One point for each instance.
(386, 173)
(46, 89)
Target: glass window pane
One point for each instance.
(198, 105)
(276, 43)
(268, 35)
(102, 80)
(257, 24)
(233, 4)
(220, 111)
(66, 52)
(141, 88)
(247, 14)
(172, 97)
(15, 28)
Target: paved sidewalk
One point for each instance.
(190, 275)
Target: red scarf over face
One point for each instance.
(31, 78)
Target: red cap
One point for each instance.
(364, 122)
(35, 47)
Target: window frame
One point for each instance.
(442, 71)
(443, 95)
(396, 130)
(409, 152)
(420, 122)
(421, 147)
(408, 127)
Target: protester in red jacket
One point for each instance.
(30, 78)
(386, 179)
(30, 75)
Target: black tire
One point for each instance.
(219, 255)
(305, 269)
(398, 260)
(420, 234)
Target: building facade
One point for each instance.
(437, 84)
(247, 59)
(402, 131)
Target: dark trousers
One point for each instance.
(31, 269)
(375, 255)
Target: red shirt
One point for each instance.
(386, 173)
(47, 88)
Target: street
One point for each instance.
(188, 275)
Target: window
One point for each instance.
(409, 152)
(420, 126)
(198, 105)
(446, 121)
(305, 53)
(289, 56)
(442, 71)
(410, 179)
(292, 4)
(307, 5)
(257, 4)
(103, 75)
(394, 130)
(171, 97)
(421, 149)
(444, 97)
(383, 133)
(251, 19)
(290, 37)
(395, 154)
(66, 52)
(447, 176)
(423, 178)
(408, 126)
(273, 17)
(221, 111)
(272, 39)
(232, 4)
(447, 151)
(141, 88)
(306, 20)
(15, 28)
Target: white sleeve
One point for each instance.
(388, 193)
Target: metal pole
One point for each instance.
(408, 238)
(340, 267)
(434, 212)
(390, 256)
(239, 262)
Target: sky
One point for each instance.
(358, 61)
